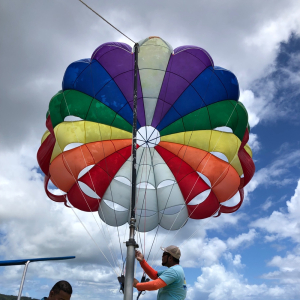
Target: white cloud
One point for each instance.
(243, 37)
(255, 106)
(216, 283)
(253, 142)
(283, 224)
(31, 225)
(242, 240)
(277, 173)
(288, 274)
(236, 261)
(267, 204)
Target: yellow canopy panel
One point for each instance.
(84, 132)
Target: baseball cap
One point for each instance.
(173, 250)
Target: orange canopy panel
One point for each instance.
(65, 168)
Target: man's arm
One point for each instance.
(148, 270)
(150, 286)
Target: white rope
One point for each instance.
(197, 181)
(93, 239)
(94, 189)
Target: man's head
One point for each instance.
(170, 256)
(62, 290)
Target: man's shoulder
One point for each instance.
(177, 269)
(172, 271)
(45, 298)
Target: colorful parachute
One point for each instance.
(192, 134)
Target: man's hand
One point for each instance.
(135, 282)
(139, 256)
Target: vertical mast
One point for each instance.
(131, 243)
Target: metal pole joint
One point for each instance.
(132, 242)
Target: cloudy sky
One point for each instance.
(252, 254)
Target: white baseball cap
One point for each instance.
(173, 250)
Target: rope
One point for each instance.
(99, 128)
(202, 172)
(197, 179)
(107, 21)
(108, 245)
(93, 239)
(206, 220)
(83, 197)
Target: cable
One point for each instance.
(90, 179)
(93, 239)
(100, 134)
(107, 22)
(175, 181)
(198, 178)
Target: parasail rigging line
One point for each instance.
(156, 233)
(99, 128)
(139, 236)
(90, 211)
(205, 219)
(84, 199)
(145, 193)
(145, 210)
(94, 189)
(103, 231)
(157, 229)
(137, 198)
(213, 184)
(65, 196)
(200, 172)
(154, 256)
(93, 239)
(145, 158)
(107, 21)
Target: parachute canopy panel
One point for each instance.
(192, 136)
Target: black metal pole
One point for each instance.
(134, 130)
(131, 243)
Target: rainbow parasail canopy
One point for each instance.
(192, 136)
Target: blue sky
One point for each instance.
(251, 254)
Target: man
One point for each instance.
(171, 282)
(62, 290)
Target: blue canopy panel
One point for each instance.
(211, 86)
(89, 77)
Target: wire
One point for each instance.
(175, 181)
(100, 134)
(93, 239)
(107, 21)
(90, 179)
(206, 220)
(196, 180)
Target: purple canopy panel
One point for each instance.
(118, 61)
(160, 110)
(140, 111)
(126, 86)
(184, 67)
(104, 48)
(197, 52)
